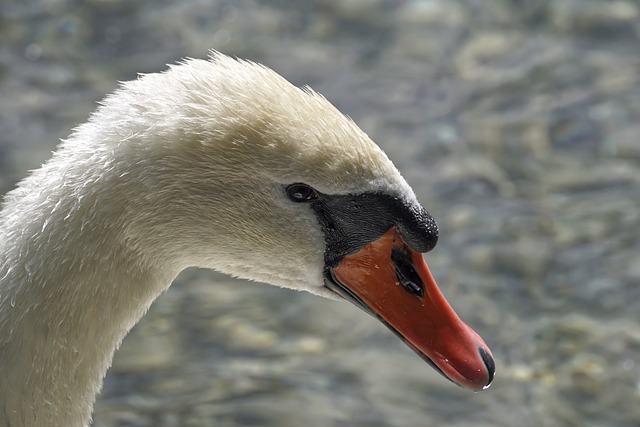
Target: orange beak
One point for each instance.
(392, 282)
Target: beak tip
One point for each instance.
(490, 364)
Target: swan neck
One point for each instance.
(70, 290)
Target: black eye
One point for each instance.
(301, 193)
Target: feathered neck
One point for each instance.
(70, 290)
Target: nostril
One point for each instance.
(407, 275)
(489, 363)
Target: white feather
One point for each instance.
(177, 169)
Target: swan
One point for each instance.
(218, 163)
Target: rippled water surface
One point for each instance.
(516, 123)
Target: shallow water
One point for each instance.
(516, 123)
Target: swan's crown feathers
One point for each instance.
(236, 107)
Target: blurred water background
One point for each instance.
(515, 121)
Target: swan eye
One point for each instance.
(301, 193)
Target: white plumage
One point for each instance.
(177, 169)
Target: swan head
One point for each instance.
(224, 164)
